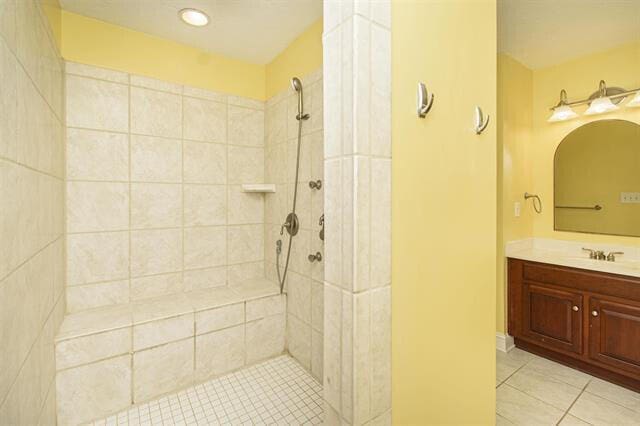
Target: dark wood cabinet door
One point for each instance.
(614, 334)
(552, 317)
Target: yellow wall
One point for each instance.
(54, 15)
(302, 56)
(515, 102)
(94, 42)
(90, 41)
(444, 214)
(619, 67)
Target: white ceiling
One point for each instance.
(540, 33)
(251, 30)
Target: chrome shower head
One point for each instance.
(296, 84)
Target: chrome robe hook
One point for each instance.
(425, 100)
(480, 123)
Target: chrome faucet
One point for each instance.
(599, 255)
(611, 257)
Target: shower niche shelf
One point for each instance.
(258, 187)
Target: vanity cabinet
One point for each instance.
(585, 319)
(552, 316)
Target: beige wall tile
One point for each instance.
(317, 306)
(205, 120)
(244, 207)
(97, 257)
(94, 390)
(276, 123)
(205, 163)
(162, 369)
(89, 296)
(156, 113)
(381, 223)
(156, 205)
(239, 273)
(156, 159)
(246, 126)
(97, 104)
(91, 348)
(205, 278)
(205, 247)
(8, 103)
(299, 294)
(246, 102)
(155, 251)
(265, 338)
(266, 306)
(161, 331)
(245, 243)
(219, 318)
(196, 92)
(332, 346)
(211, 361)
(155, 84)
(205, 205)
(246, 165)
(156, 285)
(317, 343)
(97, 206)
(97, 155)
(299, 340)
(96, 72)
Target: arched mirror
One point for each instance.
(597, 179)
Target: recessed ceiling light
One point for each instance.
(194, 17)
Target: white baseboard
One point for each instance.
(504, 342)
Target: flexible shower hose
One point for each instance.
(300, 117)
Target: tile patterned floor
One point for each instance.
(276, 392)
(535, 391)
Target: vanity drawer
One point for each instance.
(580, 279)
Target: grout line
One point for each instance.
(573, 403)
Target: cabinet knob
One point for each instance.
(575, 308)
(594, 313)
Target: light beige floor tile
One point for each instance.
(570, 420)
(614, 393)
(509, 362)
(558, 371)
(599, 411)
(544, 388)
(522, 409)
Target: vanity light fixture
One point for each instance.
(604, 100)
(602, 103)
(635, 102)
(562, 111)
(194, 17)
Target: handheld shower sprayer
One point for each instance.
(296, 84)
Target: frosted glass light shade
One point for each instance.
(562, 113)
(600, 106)
(635, 102)
(194, 17)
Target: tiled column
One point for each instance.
(357, 152)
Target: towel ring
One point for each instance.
(536, 206)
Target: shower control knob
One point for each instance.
(315, 257)
(315, 184)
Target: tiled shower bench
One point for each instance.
(111, 357)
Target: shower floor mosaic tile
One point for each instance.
(275, 392)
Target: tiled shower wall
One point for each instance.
(154, 202)
(357, 329)
(31, 213)
(304, 279)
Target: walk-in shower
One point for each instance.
(292, 224)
